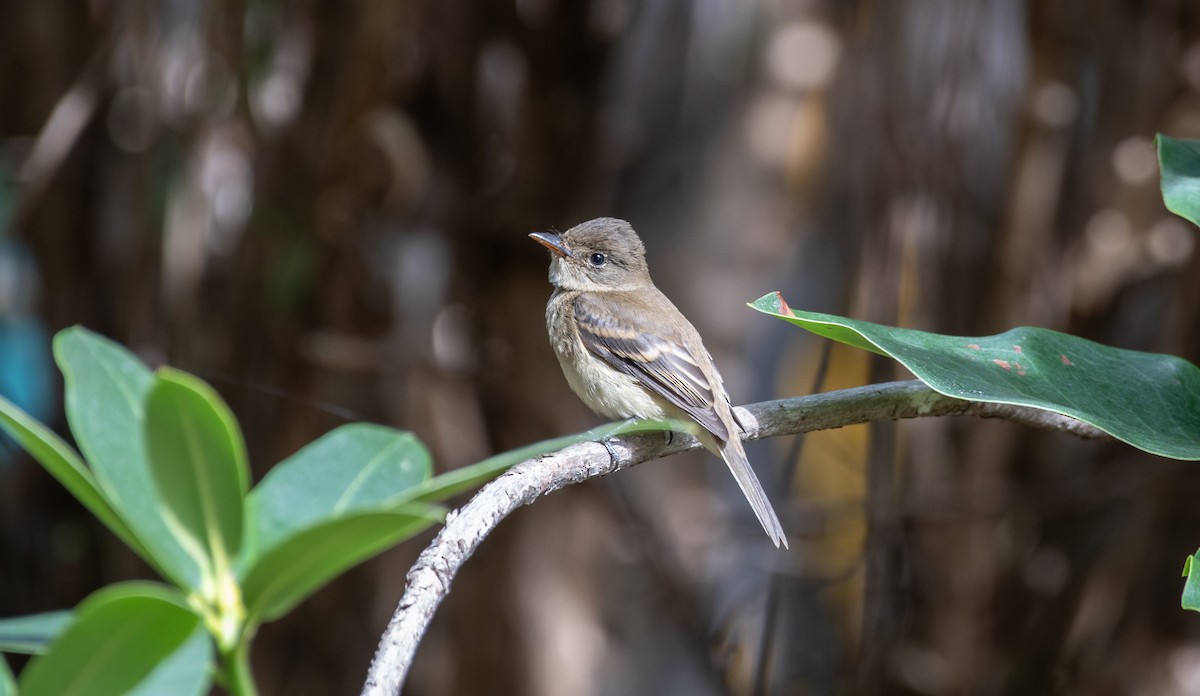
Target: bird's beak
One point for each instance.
(553, 242)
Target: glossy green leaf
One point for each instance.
(64, 464)
(1179, 161)
(454, 482)
(105, 394)
(185, 672)
(1191, 587)
(31, 634)
(1148, 400)
(355, 467)
(122, 635)
(354, 493)
(198, 462)
(290, 572)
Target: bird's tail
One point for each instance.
(735, 457)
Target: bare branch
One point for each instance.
(430, 578)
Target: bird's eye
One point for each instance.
(597, 259)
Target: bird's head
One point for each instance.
(600, 254)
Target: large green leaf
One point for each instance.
(64, 464)
(454, 482)
(1147, 400)
(105, 394)
(355, 467)
(1179, 161)
(302, 551)
(198, 462)
(122, 636)
(290, 572)
(32, 633)
(185, 672)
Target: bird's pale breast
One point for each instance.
(606, 391)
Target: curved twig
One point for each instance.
(430, 577)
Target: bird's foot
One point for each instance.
(612, 453)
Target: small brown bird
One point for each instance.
(628, 352)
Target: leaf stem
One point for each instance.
(237, 676)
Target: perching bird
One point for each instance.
(627, 351)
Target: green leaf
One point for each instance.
(454, 482)
(300, 551)
(185, 672)
(31, 634)
(290, 572)
(1148, 400)
(355, 467)
(1191, 588)
(122, 636)
(64, 464)
(198, 462)
(105, 394)
(1179, 161)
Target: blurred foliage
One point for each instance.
(320, 208)
(166, 472)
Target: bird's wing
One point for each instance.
(648, 351)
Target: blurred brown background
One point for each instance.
(321, 207)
